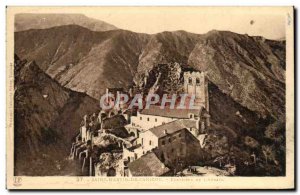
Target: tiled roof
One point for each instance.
(171, 113)
(148, 165)
(173, 127)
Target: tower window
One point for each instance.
(197, 81)
(190, 81)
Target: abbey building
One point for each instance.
(159, 142)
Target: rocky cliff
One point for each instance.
(46, 117)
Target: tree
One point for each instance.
(268, 152)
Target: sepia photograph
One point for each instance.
(149, 97)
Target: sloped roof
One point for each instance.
(148, 165)
(173, 127)
(171, 113)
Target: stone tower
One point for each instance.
(195, 83)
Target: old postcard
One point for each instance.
(150, 98)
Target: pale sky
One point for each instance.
(267, 23)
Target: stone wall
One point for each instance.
(179, 149)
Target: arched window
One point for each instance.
(132, 134)
(190, 81)
(197, 81)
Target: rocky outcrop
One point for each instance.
(46, 117)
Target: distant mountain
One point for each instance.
(46, 117)
(83, 60)
(28, 21)
(249, 69)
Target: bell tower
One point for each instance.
(195, 83)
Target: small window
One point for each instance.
(191, 116)
(170, 140)
(163, 142)
(141, 118)
(155, 119)
(197, 81)
(148, 119)
(150, 142)
(179, 135)
(190, 81)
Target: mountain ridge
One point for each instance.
(83, 46)
(135, 54)
(28, 21)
